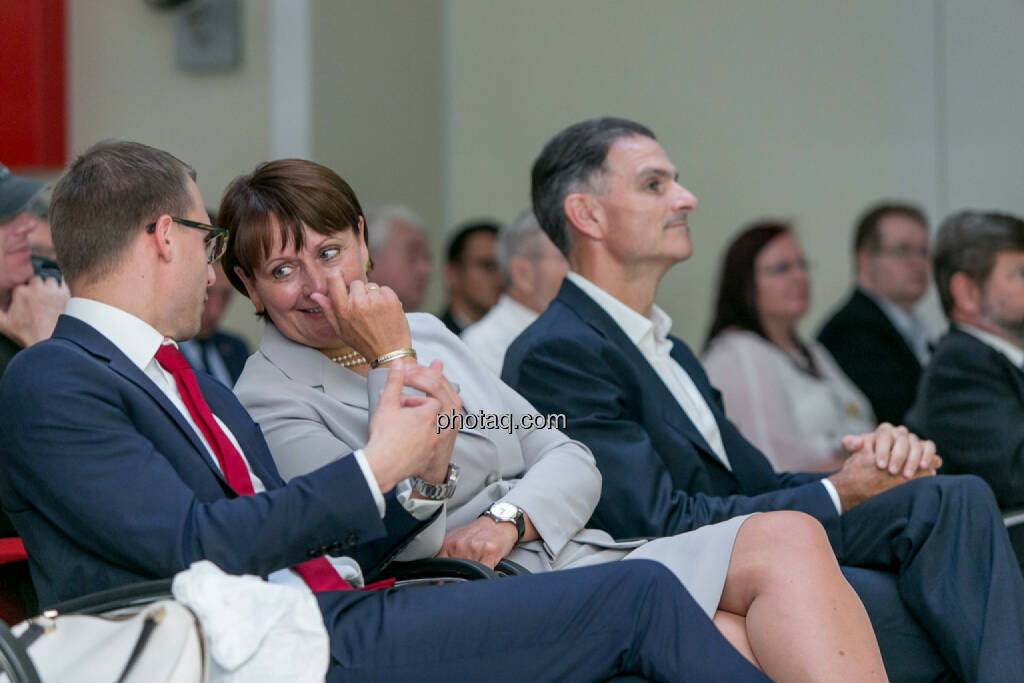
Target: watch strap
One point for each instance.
(438, 491)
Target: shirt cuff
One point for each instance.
(419, 508)
(371, 482)
(833, 494)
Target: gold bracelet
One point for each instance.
(394, 355)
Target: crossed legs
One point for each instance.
(787, 607)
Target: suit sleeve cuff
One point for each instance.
(371, 482)
(417, 507)
(833, 494)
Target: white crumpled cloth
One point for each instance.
(256, 632)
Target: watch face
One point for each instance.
(504, 511)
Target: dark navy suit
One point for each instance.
(873, 353)
(108, 484)
(930, 559)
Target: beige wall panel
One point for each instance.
(377, 105)
(803, 109)
(123, 83)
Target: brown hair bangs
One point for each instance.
(292, 192)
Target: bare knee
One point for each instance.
(780, 541)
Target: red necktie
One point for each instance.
(318, 573)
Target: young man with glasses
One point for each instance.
(875, 336)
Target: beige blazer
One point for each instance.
(313, 411)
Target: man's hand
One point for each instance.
(432, 382)
(33, 312)
(895, 449)
(483, 540)
(881, 460)
(366, 317)
(403, 433)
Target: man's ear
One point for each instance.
(250, 289)
(584, 214)
(451, 277)
(521, 274)
(161, 237)
(860, 265)
(966, 296)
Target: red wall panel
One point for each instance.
(32, 84)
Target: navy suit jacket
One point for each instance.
(233, 350)
(971, 404)
(660, 475)
(873, 353)
(108, 484)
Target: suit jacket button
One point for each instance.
(334, 549)
(313, 554)
(352, 539)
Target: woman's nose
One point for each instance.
(312, 283)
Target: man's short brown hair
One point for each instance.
(105, 199)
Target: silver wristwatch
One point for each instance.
(507, 512)
(438, 491)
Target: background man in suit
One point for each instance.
(400, 253)
(971, 400)
(533, 270)
(124, 465)
(471, 274)
(607, 195)
(875, 337)
(217, 353)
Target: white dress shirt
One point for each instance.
(651, 337)
(490, 337)
(139, 341)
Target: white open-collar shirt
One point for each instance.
(650, 335)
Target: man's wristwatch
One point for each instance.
(438, 491)
(507, 512)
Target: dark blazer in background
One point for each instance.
(904, 551)
(971, 404)
(873, 354)
(231, 349)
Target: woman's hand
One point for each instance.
(367, 317)
(432, 382)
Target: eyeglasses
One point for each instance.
(215, 243)
(786, 267)
(903, 252)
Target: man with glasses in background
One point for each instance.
(875, 336)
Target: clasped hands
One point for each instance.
(880, 460)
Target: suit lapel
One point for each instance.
(881, 321)
(673, 415)
(97, 345)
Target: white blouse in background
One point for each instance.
(795, 418)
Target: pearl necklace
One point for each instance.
(349, 360)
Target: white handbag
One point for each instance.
(158, 642)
